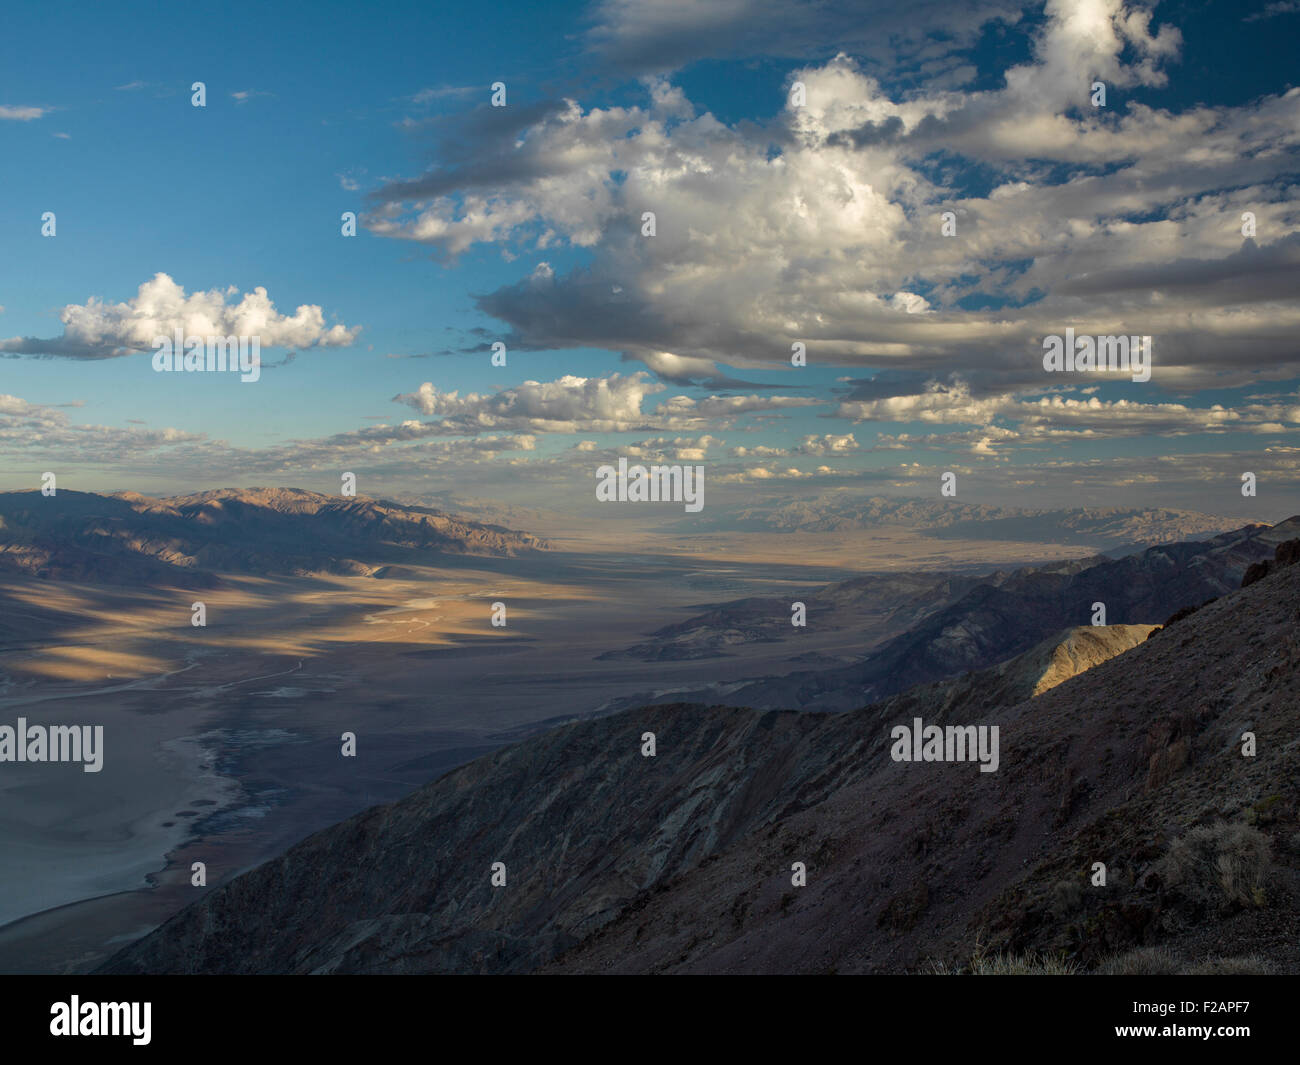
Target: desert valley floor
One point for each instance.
(234, 728)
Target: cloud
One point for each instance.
(22, 114)
(568, 404)
(1054, 418)
(651, 36)
(571, 404)
(822, 225)
(830, 444)
(1278, 7)
(687, 371)
(662, 448)
(41, 430)
(444, 92)
(96, 330)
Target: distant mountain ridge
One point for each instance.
(127, 537)
(1102, 528)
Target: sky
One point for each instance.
(915, 194)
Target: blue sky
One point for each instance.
(776, 223)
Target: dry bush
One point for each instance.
(1067, 898)
(1218, 866)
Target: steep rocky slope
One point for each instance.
(127, 537)
(1008, 613)
(1041, 668)
(682, 861)
(1137, 764)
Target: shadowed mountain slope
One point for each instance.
(873, 606)
(125, 537)
(682, 861)
(1009, 613)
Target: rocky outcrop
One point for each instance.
(1287, 554)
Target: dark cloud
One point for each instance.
(1254, 274)
(654, 36)
(868, 134)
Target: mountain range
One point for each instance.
(124, 537)
(1101, 528)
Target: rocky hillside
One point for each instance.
(681, 862)
(1005, 614)
(130, 538)
(871, 606)
(1041, 668)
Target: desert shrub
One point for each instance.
(1067, 897)
(1218, 867)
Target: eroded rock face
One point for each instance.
(1255, 572)
(682, 862)
(1287, 554)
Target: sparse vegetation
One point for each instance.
(1265, 811)
(1022, 965)
(1002, 963)
(1144, 961)
(1067, 897)
(1218, 867)
(1160, 961)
